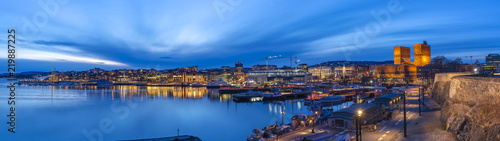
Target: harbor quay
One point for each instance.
(330, 119)
(380, 116)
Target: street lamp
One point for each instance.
(315, 115)
(419, 103)
(358, 126)
(312, 131)
(404, 111)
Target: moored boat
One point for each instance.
(332, 99)
(250, 96)
(271, 96)
(217, 84)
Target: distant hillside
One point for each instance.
(337, 63)
(24, 73)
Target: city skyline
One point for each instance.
(168, 35)
(195, 70)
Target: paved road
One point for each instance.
(319, 133)
(390, 129)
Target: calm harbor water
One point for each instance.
(132, 112)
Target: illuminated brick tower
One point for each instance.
(422, 54)
(402, 55)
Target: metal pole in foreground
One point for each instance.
(423, 96)
(404, 107)
(419, 103)
(360, 138)
(357, 135)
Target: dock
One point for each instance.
(173, 138)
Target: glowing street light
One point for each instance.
(358, 126)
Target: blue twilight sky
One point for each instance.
(111, 34)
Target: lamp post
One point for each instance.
(419, 103)
(312, 131)
(282, 118)
(315, 115)
(357, 133)
(359, 120)
(404, 107)
(423, 94)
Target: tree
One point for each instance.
(439, 60)
(456, 61)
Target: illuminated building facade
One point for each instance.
(263, 67)
(239, 75)
(303, 67)
(345, 73)
(402, 55)
(320, 74)
(492, 61)
(397, 73)
(403, 69)
(422, 53)
(278, 76)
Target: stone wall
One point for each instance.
(471, 106)
(446, 77)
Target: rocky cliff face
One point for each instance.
(440, 91)
(471, 106)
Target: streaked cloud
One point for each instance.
(138, 34)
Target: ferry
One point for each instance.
(250, 96)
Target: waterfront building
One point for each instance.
(194, 77)
(278, 76)
(320, 73)
(239, 74)
(388, 101)
(492, 61)
(263, 67)
(345, 73)
(226, 75)
(346, 118)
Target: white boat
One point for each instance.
(217, 84)
(248, 96)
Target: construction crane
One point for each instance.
(471, 58)
(269, 57)
(296, 63)
(291, 58)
